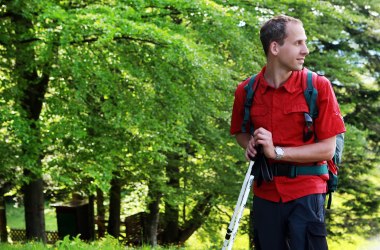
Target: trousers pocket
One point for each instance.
(316, 236)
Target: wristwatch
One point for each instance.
(279, 153)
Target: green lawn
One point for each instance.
(107, 243)
(16, 220)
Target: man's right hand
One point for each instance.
(250, 151)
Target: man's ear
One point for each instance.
(274, 48)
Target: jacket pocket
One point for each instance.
(293, 121)
(296, 108)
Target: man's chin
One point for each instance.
(298, 67)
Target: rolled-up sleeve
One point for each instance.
(330, 120)
(238, 109)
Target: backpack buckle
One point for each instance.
(308, 130)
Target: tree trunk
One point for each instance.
(91, 219)
(171, 216)
(153, 216)
(200, 211)
(33, 189)
(3, 218)
(171, 229)
(115, 206)
(101, 213)
(34, 210)
(33, 89)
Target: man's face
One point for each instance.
(291, 55)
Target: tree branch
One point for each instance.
(123, 37)
(201, 210)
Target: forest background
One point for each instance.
(127, 104)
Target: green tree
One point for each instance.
(102, 96)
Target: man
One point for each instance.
(288, 210)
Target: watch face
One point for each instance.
(279, 152)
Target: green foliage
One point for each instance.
(136, 86)
(107, 243)
(358, 194)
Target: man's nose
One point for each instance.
(305, 50)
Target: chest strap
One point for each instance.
(293, 171)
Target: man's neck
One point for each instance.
(276, 76)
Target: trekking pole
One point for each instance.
(239, 208)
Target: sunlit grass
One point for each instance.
(109, 243)
(16, 217)
(355, 242)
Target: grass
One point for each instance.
(110, 243)
(355, 243)
(16, 219)
(107, 243)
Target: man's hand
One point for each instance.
(263, 137)
(250, 151)
(251, 143)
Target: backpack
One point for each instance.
(311, 96)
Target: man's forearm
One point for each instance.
(243, 139)
(319, 151)
(315, 152)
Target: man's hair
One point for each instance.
(274, 30)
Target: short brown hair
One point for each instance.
(275, 30)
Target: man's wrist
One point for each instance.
(279, 153)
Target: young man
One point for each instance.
(289, 209)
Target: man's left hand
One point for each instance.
(264, 137)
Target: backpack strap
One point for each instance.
(311, 95)
(329, 200)
(247, 105)
(292, 171)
